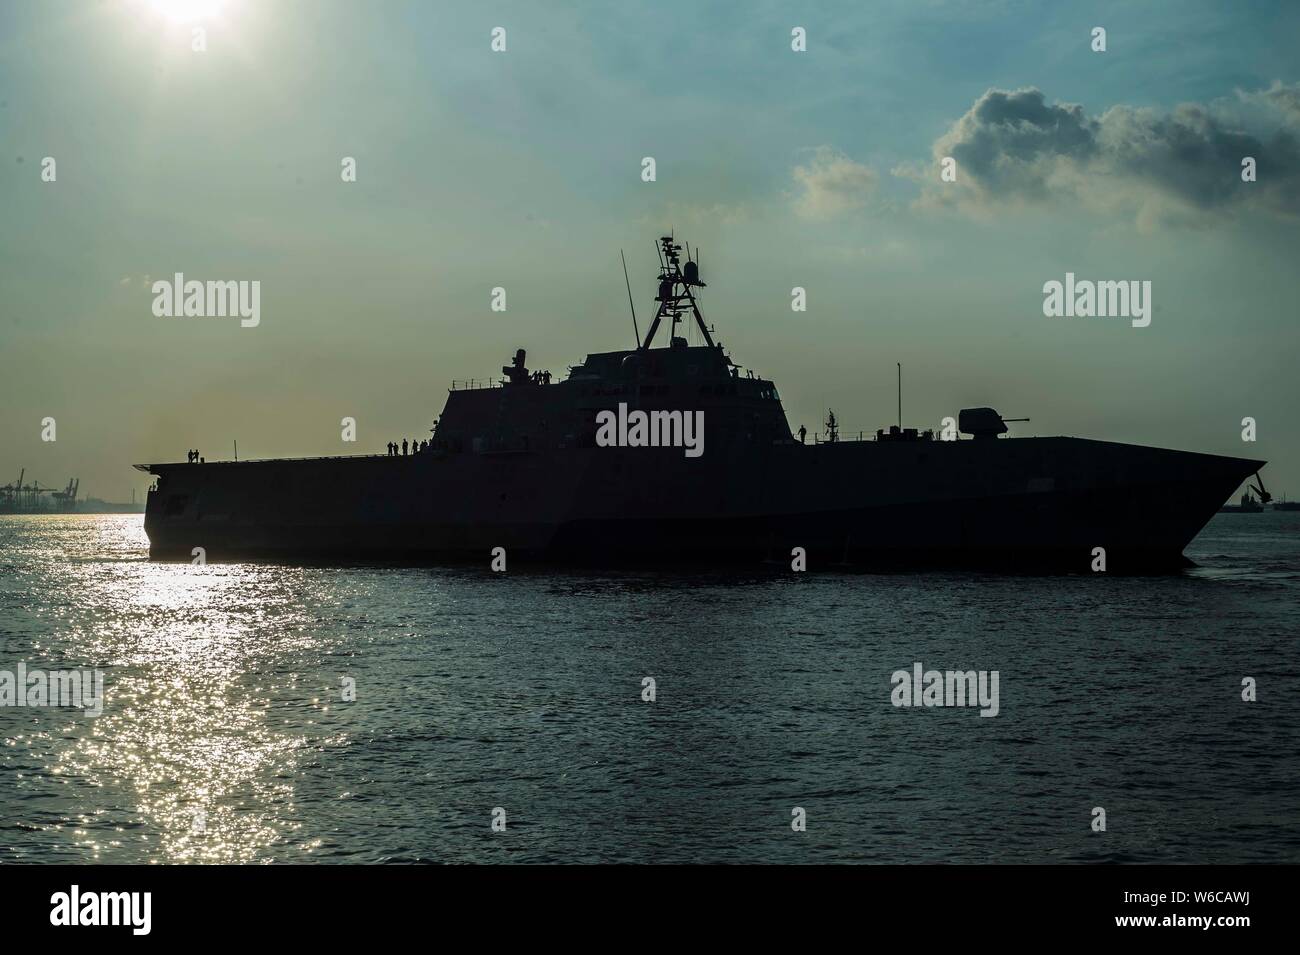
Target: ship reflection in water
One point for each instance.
(225, 737)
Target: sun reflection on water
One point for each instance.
(212, 693)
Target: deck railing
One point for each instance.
(849, 437)
(474, 384)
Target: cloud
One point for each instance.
(1285, 98)
(1013, 148)
(831, 184)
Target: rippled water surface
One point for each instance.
(225, 738)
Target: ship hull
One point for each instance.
(1032, 503)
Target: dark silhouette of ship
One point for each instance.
(1247, 505)
(520, 464)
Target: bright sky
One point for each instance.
(522, 169)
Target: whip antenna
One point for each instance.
(629, 299)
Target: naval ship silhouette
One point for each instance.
(518, 463)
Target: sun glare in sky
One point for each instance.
(187, 11)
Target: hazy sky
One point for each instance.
(522, 169)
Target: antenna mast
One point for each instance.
(675, 296)
(629, 298)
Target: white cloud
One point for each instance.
(831, 184)
(1013, 147)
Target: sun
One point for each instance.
(187, 11)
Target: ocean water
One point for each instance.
(225, 737)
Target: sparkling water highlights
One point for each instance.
(226, 737)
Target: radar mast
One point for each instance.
(676, 297)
